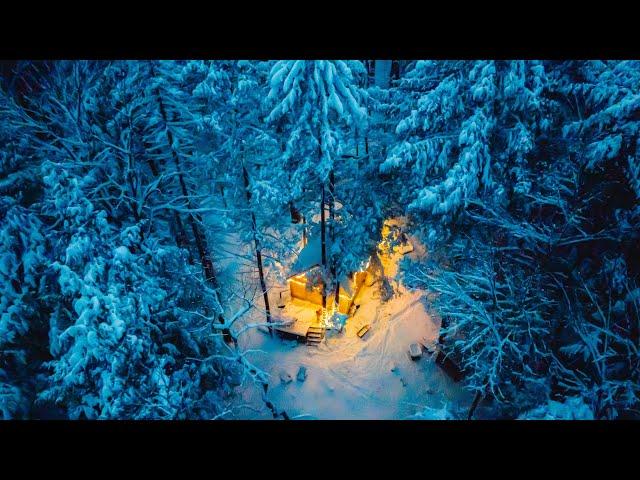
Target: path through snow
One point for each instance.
(353, 378)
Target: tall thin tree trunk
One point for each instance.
(444, 323)
(224, 200)
(474, 405)
(323, 241)
(254, 227)
(332, 208)
(476, 401)
(194, 219)
(366, 132)
(383, 73)
(304, 232)
(181, 240)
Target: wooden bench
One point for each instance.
(363, 331)
(403, 249)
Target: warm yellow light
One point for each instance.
(300, 277)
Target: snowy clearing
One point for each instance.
(350, 377)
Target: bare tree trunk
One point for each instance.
(224, 200)
(477, 400)
(254, 227)
(444, 323)
(474, 405)
(383, 73)
(332, 202)
(324, 250)
(194, 219)
(304, 232)
(181, 240)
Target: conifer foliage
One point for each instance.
(121, 183)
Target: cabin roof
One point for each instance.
(311, 256)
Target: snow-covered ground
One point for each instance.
(353, 378)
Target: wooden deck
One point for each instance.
(299, 315)
(297, 331)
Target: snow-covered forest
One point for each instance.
(320, 239)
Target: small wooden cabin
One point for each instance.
(305, 281)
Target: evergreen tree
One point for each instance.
(534, 256)
(317, 102)
(125, 340)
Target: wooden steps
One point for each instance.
(315, 335)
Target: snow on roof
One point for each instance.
(311, 256)
(317, 216)
(346, 285)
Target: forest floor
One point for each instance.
(349, 377)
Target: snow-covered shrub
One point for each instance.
(22, 263)
(572, 408)
(431, 413)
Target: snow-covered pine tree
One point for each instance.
(600, 128)
(125, 337)
(318, 106)
(23, 319)
(23, 261)
(538, 262)
(219, 109)
(468, 133)
(220, 116)
(446, 136)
